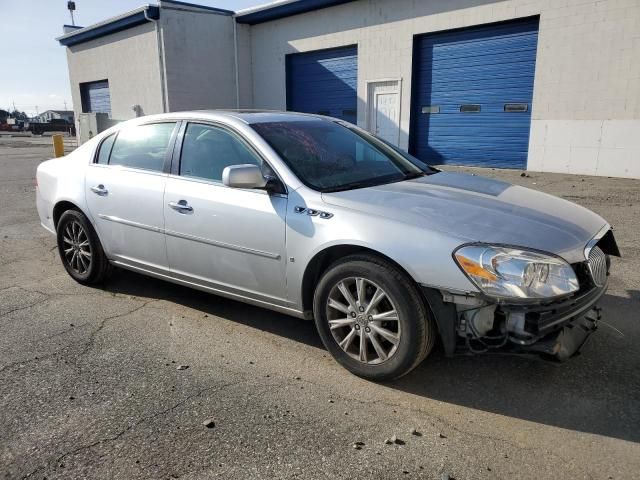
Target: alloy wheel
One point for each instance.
(76, 247)
(363, 320)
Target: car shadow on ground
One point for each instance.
(597, 392)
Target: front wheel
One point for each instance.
(372, 318)
(80, 249)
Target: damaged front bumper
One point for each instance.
(472, 323)
(557, 330)
(565, 343)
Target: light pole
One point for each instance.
(71, 6)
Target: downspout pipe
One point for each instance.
(161, 65)
(235, 58)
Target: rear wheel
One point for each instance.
(80, 249)
(372, 318)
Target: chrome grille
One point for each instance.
(598, 266)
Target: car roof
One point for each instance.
(263, 116)
(252, 116)
(246, 117)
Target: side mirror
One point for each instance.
(243, 176)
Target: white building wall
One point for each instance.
(129, 60)
(245, 66)
(586, 106)
(199, 58)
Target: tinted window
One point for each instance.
(105, 150)
(207, 150)
(143, 146)
(329, 156)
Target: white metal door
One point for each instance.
(387, 117)
(384, 110)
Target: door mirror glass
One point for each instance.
(243, 176)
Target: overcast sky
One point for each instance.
(33, 66)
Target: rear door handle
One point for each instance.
(182, 206)
(100, 190)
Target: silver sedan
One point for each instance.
(316, 218)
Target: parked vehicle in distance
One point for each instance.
(55, 125)
(316, 218)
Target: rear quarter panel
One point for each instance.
(62, 179)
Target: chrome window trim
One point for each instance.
(130, 169)
(214, 183)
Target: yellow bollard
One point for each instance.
(58, 145)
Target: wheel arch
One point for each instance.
(323, 259)
(62, 206)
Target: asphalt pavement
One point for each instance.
(144, 379)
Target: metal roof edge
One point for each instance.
(221, 11)
(111, 25)
(277, 10)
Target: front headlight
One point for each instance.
(508, 272)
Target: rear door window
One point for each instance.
(142, 146)
(105, 150)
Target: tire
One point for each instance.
(80, 249)
(413, 332)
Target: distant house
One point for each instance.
(46, 117)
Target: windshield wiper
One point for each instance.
(410, 176)
(348, 186)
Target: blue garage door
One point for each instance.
(324, 82)
(472, 92)
(96, 97)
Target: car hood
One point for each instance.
(477, 209)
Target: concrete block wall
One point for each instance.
(198, 46)
(186, 63)
(129, 60)
(245, 66)
(586, 106)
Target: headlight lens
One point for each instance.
(506, 272)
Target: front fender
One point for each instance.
(425, 255)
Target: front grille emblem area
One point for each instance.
(312, 212)
(598, 266)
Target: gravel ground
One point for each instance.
(93, 381)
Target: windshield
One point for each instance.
(328, 156)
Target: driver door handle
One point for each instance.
(100, 190)
(182, 206)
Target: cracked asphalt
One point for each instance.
(90, 386)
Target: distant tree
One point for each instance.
(3, 115)
(19, 115)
